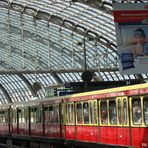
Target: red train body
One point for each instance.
(116, 117)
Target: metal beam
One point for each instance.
(58, 71)
(40, 15)
(28, 84)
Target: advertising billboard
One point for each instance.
(131, 22)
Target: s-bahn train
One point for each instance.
(116, 117)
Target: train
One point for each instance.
(115, 117)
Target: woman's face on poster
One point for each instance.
(140, 40)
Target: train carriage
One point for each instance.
(53, 118)
(116, 117)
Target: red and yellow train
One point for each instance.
(109, 117)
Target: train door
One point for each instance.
(4, 121)
(57, 125)
(87, 121)
(94, 129)
(103, 121)
(139, 121)
(62, 120)
(36, 125)
(79, 120)
(123, 130)
(52, 124)
(70, 121)
(113, 121)
(14, 120)
(23, 128)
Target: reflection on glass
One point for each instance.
(146, 110)
(125, 111)
(136, 110)
(119, 112)
(104, 114)
(112, 112)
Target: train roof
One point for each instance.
(5, 106)
(111, 92)
(39, 102)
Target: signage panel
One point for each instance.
(131, 22)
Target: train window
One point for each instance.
(69, 114)
(86, 112)
(104, 113)
(125, 111)
(50, 108)
(112, 112)
(79, 113)
(95, 112)
(35, 115)
(56, 112)
(136, 111)
(20, 115)
(119, 112)
(2, 116)
(6, 116)
(72, 114)
(46, 108)
(62, 114)
(46, 114)
(145, 105)
(26, 115)
(51, 114)
(13, 116)
(91, 113)
(32, 115)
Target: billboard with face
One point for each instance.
(131, 22)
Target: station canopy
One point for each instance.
(53, 42)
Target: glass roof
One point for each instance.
(47, 41)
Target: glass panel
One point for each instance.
(51, 114)
(70, 114)
(91, 113)
(67, 114)
(62, 113)
(119, 112)
(112, 112)
(125, 111)
(145, 110)
(2, 116)
(26, 115)
(57, 114)
(136, 111)
(46, 114)
(35, 115)
(79, 113)
(104, 114)
(20, 115)
(39, 112)
(95, 112)
(86, 113)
